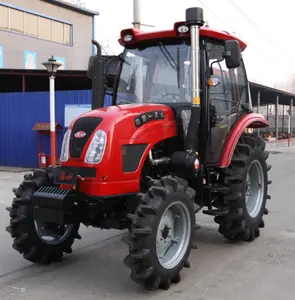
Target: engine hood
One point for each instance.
(128, 118)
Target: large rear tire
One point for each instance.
(38, 243)
(247, 177)
(161, 234)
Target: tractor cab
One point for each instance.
(157, 68)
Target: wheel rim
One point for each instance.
(52, 233)
(254, 189)
(173, 235)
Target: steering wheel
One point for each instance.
(175, 96)
(123, 102)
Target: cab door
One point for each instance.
(227, 97)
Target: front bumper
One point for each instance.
(76, 195)
(54, 205)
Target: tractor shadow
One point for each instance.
(98, 272)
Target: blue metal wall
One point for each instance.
(18, 114)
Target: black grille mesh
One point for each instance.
(86, 124)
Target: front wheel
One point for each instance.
(161, 234)
(39, 242)
(247, 177)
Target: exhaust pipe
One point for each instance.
(97, 74)
(194, 20)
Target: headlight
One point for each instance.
(64, 155)
(128, 38)
(96, 148)
(183, 29)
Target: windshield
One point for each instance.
(159, 73)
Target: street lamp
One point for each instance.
(52, 66)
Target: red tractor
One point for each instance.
(175, 140)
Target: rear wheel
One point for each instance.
(247, 177)
(161, 234)
(39, 242)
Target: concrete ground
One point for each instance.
(264, 269)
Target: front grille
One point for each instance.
(86, 124)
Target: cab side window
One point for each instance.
(232, 89)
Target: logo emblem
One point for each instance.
(80, 134)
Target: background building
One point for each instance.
(32, 30)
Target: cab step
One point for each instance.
(216, 212)
(218, 188)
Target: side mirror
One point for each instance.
(110, 81)
(232, 54)
(111, 69)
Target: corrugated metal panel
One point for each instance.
(18, 114)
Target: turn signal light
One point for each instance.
(213, 82)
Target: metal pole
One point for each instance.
(52, 121)
(258, 108)
(277, 118)
(195, 66)
(283, 121)
(194, 20)
(289, 128)
(291, 118)
(23, 83)
(137, 14)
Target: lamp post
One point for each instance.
(52, 66)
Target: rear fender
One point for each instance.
(251, 120)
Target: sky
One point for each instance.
(266, 27)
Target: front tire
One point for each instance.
(247, 177)
(161, 234)
(37, 245)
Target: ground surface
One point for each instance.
(264, 269)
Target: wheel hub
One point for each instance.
(52, 233)
(248, 188)
(254, 189)
(165, 232)
(173, 235)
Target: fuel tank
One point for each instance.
(131, 130)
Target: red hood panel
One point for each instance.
(122, 110)
(122, 117)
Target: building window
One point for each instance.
(68, 34)
(45, 28)
(16, 20)
(58, 31)
(3, 17)
(32, 24)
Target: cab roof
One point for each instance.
(141, 36)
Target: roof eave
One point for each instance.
(72, 7)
